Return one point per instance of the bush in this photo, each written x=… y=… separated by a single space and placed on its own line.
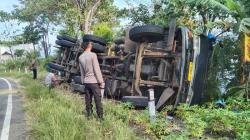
x=218 y=122
x=104 y=30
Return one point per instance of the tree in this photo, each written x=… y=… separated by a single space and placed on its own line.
x=242 y=8
x=9 y=38
x=74 y=15
x=104 y=30
x=19 y=52
x=40 y=16
x=87 y=12
x=140 y=15
x=201 y=16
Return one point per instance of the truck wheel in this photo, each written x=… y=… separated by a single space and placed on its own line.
x=137 y=101
x=97 y=48
x=119 y=41
x=146 y=33
x=77 y=79
x=56 y=66
x=65 y=43
x=67 y=38
x=95 y=39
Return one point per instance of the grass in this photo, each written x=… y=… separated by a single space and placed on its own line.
x=19 y=75
x=57 y=115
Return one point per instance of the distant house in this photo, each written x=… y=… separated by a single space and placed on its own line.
x=5 y=53
x=5 y=56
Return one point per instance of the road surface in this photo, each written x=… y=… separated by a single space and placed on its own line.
x=12 y=122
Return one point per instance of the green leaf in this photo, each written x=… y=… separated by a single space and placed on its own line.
x=245 y=25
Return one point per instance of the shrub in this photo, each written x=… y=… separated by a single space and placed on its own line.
x=221 y=122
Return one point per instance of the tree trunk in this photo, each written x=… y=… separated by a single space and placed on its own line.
x=47 y=41
x=45 y=47
x=34 y=47
x=11 y=53
x=205 y=21
x=89 y=16
x=86 y=24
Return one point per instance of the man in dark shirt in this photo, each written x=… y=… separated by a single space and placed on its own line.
x=91 y=77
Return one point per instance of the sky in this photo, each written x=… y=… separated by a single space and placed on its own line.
x=120 y=3
x=7 y=6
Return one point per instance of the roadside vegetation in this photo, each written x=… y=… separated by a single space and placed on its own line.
x=59 y=115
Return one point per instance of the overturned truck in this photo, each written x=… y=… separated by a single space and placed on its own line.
x=170 y=60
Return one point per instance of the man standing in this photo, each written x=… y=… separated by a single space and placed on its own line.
x=91 y=77
x=34 y=68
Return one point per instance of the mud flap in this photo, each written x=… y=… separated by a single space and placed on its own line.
x=136 y=101
x=167 y=93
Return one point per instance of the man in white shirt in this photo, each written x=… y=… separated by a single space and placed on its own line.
x=50 y=80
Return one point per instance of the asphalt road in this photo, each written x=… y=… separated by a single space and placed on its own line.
x=12 y=121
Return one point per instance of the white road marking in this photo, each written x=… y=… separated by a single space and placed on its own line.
x=9 y=85
x=7 y=119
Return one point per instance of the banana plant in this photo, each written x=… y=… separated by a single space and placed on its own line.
x=245 y=25
x=241 y=12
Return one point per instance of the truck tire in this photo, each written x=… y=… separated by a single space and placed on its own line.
x=119 y=41
x=56 y=66
x=65 y=43
x=67 y=38
x=146 y=33
x=136 y=101
x=94 y=39
x=77 y=79
x=97 y=48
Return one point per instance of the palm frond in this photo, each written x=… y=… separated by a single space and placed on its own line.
x=213 y=4
x=218 y=5
x=245 y=25
x=235 y=6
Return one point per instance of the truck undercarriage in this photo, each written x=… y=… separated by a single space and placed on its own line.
x=170 y=60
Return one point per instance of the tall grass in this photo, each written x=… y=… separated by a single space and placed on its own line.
x=15 y=73
x=58 y=115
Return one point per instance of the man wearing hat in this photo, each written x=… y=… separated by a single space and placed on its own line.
x=91 y=77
